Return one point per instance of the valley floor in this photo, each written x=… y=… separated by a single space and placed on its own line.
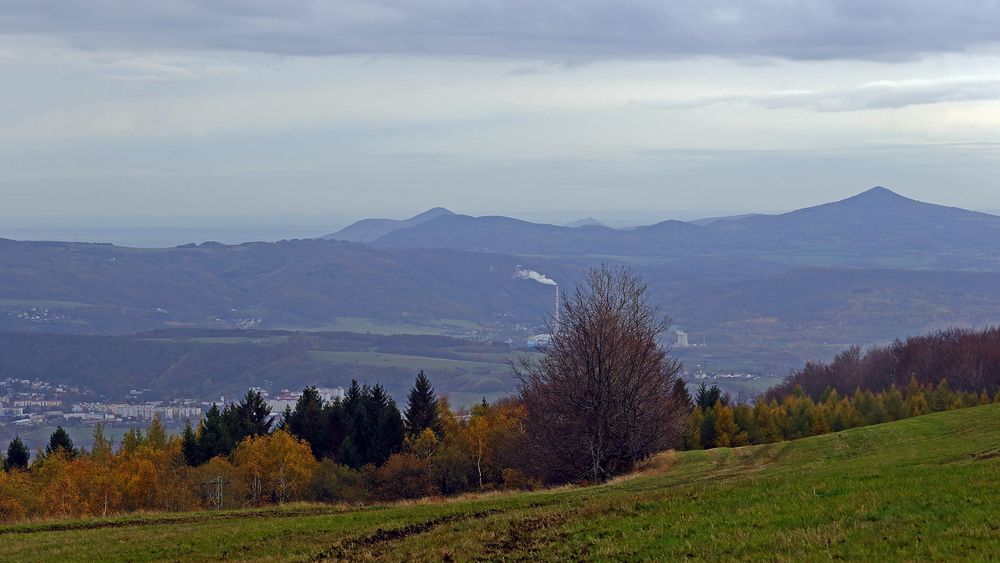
x=918 y=489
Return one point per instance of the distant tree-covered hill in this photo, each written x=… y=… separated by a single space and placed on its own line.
x=764 y=292
x=367 y=230
x=98 y=288
x=206 y=364
x=875 y=228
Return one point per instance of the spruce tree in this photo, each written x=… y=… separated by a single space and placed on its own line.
x=387 y=436
x=338 y=427
x=681 y=394
x=708 y=429
x=17 y=455
x=421 y=407
x=213 y=435
x=249 y=417
x=348 y=455
x=189 y=446
x=60 y=440
x=708 y=396
x=309 y=421
x=354 y=450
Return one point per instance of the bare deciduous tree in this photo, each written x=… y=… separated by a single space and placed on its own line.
x=600 y=398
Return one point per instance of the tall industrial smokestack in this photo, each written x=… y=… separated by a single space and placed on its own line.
x=558 y=307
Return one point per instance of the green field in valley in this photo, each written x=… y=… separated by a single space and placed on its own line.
x=436 y=327
x=925 y=488
x=493 y=363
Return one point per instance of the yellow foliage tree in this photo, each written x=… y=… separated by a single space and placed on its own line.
x=229 y=493
x=487 y=429
x=59 y=495
x=725 y=426
x=11 y=488
x=275 y=467
x=423 y=445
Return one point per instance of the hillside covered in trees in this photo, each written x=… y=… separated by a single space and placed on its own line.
x=600 y=401
x=918 y=489
x=969 y=360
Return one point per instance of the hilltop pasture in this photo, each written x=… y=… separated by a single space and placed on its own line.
x=918 y=489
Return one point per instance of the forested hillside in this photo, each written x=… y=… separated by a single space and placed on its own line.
x=208 y=363
x=918 y=489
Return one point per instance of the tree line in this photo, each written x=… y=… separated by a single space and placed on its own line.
x=968 y=359
x=603 y=396
x=715 y=421
x=358 y=449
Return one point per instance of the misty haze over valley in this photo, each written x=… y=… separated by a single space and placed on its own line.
x=756 y=294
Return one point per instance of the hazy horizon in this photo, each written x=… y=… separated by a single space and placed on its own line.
x=156 y=231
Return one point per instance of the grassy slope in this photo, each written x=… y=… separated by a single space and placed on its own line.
x=924 y=488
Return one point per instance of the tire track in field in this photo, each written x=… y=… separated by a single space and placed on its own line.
x=374 y=542
x=165 y=521
x=523 y=538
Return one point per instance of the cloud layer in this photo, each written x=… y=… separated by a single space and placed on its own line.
x=567 y=30
x=882 y=94
x=585 y=107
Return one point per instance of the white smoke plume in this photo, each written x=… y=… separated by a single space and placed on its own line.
x=525 y=274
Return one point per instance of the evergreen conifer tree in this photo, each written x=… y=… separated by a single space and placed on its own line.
x=189 y=446
x=421 y=407
x=213 y=435
x=708 y=429
x=682 y=395
x=17 y=455
x=707 y=397
x=387 y=436
x=310 y=421
x=249 y=417
x=60 y=440
x=354 y=451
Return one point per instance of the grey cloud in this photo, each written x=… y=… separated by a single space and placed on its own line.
x=888 y=95
x=589 y=29
x=872 y=95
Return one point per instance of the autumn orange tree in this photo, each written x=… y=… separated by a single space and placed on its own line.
x=275 y=467
x=491 y=429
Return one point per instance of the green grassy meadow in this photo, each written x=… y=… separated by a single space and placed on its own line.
x=434 y=327
x=926 y=488
x=382 y=359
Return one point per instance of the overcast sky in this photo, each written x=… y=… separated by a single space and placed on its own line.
x=385 y=108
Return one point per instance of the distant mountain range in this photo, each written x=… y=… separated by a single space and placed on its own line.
x=762 y=290
x=368 y=230
x=586 y=222
x=875 y=228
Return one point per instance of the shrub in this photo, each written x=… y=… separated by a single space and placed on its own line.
x=402 y=476
x=333 y=482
